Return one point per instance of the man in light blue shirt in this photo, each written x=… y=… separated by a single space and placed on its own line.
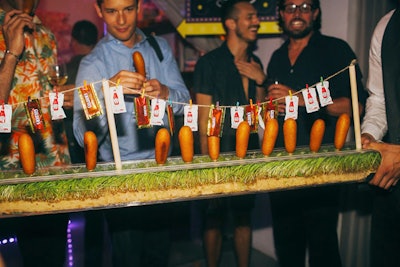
x=139 y=235
x=112 y=59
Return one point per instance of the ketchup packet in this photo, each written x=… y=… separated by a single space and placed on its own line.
x=157 y=111
x=118 y=101
x=56 y=103
x=34 y=114
x=142 y=110
x=292 y=107
x=90 y=101
x=324 y=94
x=191 y=113
x=252 y=116
x=171 y=120
x=237 y=114
x=310 y=99
x=215 y=121
x=5 y=118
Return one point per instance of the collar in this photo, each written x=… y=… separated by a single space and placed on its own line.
x=224 y=45
x=110 y=38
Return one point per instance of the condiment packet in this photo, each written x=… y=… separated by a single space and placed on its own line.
x=252 y=116
x=118 y=102
x=171 y=119
x=157 y=111
x=215 y=121
x=56 y=103
x=90 y=101
x=142 y=111
x=324 y=93
x=34 y=114
x=5 y=118
x=237 y=114
x=190 y=114
x=310 y=99
x=292 y=107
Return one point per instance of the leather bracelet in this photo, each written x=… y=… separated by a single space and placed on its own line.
x=11 y=53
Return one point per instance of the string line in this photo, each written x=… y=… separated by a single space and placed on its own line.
x=353 y=62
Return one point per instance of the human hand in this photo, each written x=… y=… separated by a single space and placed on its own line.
x=13 y=29
x=251 y=70
x=366 y=139
x=132 y=82
x=156 y=89
x=388 y=172
x=278 y=92
x=68 y=94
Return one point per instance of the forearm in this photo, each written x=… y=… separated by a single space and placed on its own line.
x=7 y=69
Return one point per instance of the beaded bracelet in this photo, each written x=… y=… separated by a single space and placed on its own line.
x=11 y=53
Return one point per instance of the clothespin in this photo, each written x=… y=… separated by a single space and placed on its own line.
x=142 y=94
x=322 y=81
x=117 y=83
x=217 y=105
x=190 y=103
x=84 y=83
x=251 y=103
x=290 y=94
x=270 y=105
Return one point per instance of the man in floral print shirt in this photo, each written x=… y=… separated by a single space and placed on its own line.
x=26 y=50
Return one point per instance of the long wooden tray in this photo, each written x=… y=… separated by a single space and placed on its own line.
x=72 y=188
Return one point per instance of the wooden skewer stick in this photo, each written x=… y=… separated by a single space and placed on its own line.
x=111 y=126
x=354 y=101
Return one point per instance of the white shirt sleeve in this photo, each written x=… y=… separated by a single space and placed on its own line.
x=375 y=122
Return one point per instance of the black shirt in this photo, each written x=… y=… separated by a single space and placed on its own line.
x=216 y=75
x=322 y=57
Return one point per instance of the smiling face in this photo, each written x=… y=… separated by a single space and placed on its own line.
x=298 y=18
x=244 y=22
x=120 y=17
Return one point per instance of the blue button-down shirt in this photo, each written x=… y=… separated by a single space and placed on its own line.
x=108 y=58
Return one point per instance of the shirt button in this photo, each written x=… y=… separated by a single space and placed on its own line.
x=291 y=71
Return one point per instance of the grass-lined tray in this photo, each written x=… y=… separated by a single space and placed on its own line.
x=72 y=188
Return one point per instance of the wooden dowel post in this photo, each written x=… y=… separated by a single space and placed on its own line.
x=111 y=126
x=354 y=101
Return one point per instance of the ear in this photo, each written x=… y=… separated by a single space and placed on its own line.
x=315 y=14
x=230 y=24
x=98 y=10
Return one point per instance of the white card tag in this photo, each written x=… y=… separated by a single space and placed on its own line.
x=292 y=107
x=310 y=99
x=116 y=95
x=157 y=111
x=5 y=118
x=324 y=94
x=236 y=116
x=56 y=103
x=191 y=113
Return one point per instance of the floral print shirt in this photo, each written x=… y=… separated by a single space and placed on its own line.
x=30 y=81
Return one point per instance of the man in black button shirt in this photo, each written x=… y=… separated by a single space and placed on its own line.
x=306 y=219
x=230 y=74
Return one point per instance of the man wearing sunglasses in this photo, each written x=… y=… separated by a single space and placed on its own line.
x=305 y=220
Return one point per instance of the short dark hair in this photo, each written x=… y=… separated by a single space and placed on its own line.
x=228 y=9
x=315 y=5
x=85 y=32
x=99 y=2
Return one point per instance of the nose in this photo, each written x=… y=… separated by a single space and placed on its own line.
x=121 y=18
